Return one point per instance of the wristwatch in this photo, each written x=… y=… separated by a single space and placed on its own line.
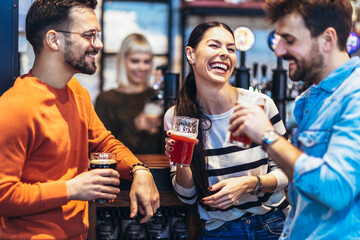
x=268 y=138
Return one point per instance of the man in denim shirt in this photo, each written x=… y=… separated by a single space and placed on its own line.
x=324 y=164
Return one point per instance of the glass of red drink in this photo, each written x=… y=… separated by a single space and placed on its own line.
x=184 y=132
x=243 y=140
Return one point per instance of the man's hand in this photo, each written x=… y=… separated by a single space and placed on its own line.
x=97 y=183
x=144 y=195
x=251 y=120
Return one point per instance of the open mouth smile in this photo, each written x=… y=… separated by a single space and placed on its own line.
x=219 y=66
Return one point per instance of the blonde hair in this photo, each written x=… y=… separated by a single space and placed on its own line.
x=133 y=43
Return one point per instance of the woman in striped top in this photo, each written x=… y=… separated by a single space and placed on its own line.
x=222 y=177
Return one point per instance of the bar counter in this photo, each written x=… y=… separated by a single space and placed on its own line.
x=160 y=169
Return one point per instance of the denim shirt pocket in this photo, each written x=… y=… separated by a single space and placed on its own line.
x=313 y=138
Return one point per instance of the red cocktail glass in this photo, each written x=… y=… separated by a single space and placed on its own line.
x=184 y=132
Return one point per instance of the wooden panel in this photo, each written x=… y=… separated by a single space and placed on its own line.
x=167 y=198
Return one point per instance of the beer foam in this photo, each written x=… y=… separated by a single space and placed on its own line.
x=102 y=161
x=184 y=134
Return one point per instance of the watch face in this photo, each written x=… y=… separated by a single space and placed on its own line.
x=270 y=137
x=273 y=136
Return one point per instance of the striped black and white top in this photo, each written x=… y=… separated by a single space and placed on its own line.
x=228 y=161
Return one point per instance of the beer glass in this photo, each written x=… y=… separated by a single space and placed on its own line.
x=153 y=110
x=184 y=131
x=243 y=140
x=102 y=160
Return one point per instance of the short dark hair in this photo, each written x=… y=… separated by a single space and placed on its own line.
x=318 y=15
x=44 y=15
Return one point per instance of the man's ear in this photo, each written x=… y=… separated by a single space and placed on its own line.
x=189 y=51
x=52 y=40
x=329 y=39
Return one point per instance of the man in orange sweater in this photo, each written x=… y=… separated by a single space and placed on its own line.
x=48 y=127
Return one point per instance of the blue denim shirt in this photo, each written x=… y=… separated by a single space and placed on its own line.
x=325 y=191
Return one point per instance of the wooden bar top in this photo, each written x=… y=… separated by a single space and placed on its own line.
x=154 y=160
x=160 y=168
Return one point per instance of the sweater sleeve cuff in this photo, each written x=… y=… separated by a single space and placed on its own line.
x=55 y=193
x=187 y=192
x=281 y=178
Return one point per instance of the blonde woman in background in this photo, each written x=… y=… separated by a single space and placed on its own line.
x=121 y=109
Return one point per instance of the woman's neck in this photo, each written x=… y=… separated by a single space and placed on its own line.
x=214 y=101
x=133 y=89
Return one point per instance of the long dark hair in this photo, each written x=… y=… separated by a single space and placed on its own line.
x=186 y=105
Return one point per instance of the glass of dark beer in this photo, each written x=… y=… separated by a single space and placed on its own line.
x=102 y=160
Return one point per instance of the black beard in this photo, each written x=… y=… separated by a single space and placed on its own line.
x=78 y=62
x=310 y=70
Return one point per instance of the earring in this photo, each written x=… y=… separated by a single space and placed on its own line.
x=192 y=62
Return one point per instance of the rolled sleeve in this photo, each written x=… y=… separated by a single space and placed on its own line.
x=187 y=195
x=305 y=164
x=315 y=179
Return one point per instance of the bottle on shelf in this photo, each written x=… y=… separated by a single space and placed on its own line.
x=106 y=225
x=131 y=229
x=158 y=227
x=266 y=84
x=254 y=81
x=179 y=225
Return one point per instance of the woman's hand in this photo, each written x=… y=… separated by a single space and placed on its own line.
x=146 y=122
x=169 y=144
x=184 y=175
x=229 y=191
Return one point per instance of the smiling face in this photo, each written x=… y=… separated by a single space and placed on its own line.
x=214 y=58
x=79 y=53
x=138 y=67
x=306 y=62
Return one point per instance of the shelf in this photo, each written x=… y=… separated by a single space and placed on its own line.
x=115 y=54
x=154 y=1
x=223 y=8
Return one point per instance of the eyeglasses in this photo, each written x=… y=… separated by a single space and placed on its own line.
x=90 y=35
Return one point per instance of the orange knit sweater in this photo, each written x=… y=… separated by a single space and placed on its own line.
x=46 y=135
